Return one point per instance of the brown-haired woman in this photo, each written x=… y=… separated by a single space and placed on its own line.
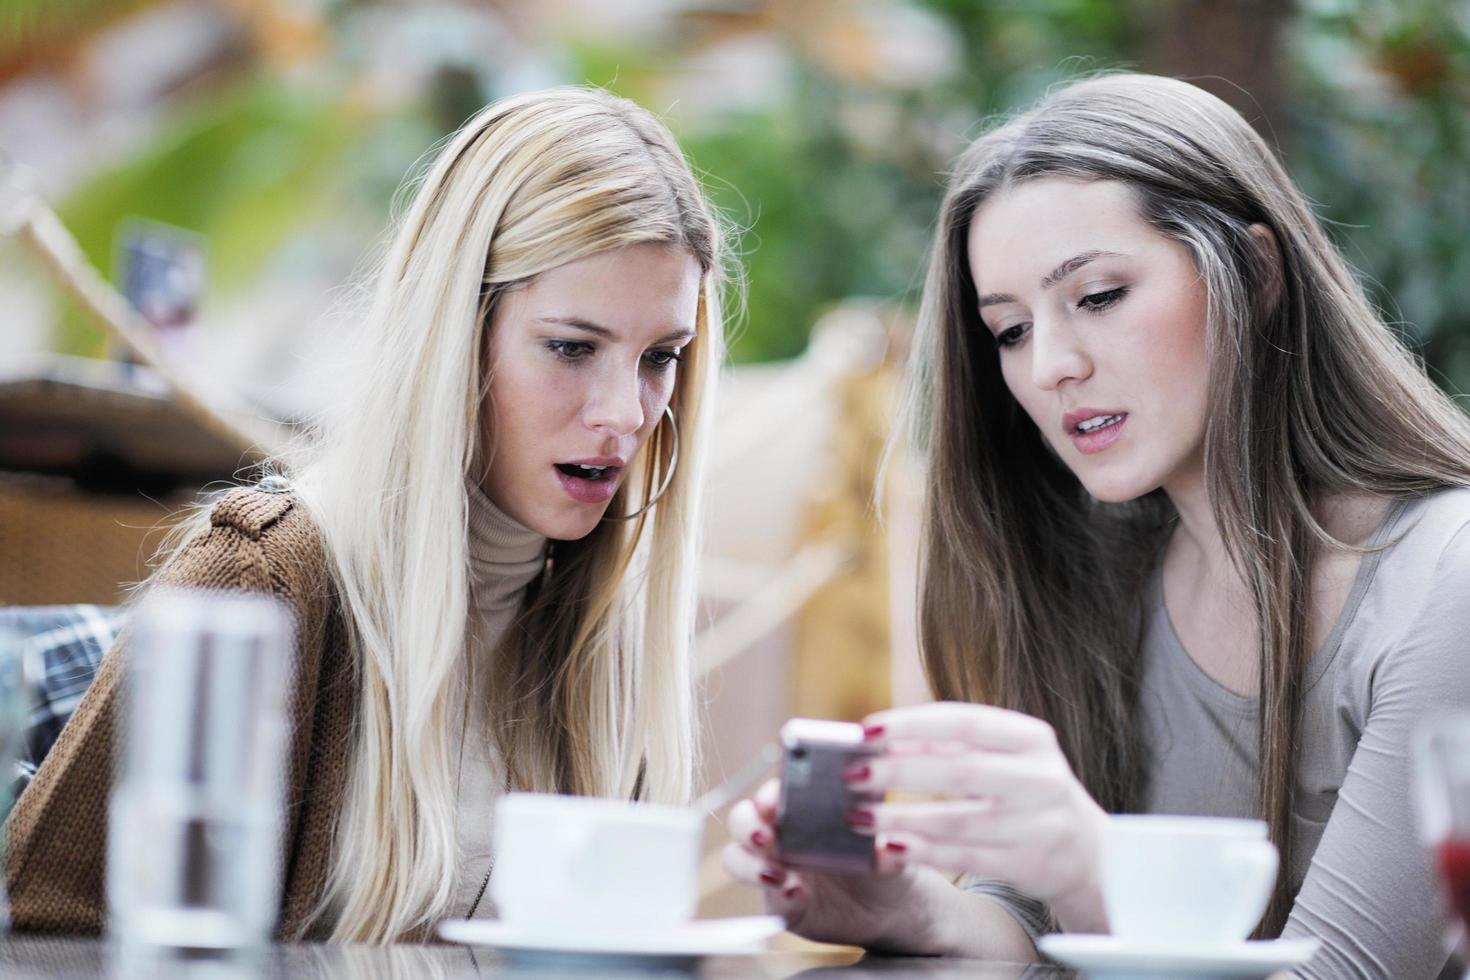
x=1194 y=543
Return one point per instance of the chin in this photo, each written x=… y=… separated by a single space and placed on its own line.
x=569 y=527
x=1116 y=490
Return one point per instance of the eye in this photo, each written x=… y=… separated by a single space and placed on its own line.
x=1097 y=302
x=1011 y=336
x=569 y=350
x=663 y=358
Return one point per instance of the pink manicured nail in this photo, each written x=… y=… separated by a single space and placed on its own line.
x=895 y=846
x=772 y=878
x=857 y=773
x=759 y=838
x=858 y=817
x=791 y=892
x=871 y=732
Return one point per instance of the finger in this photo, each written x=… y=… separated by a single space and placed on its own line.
x=979 y=725
x=1014 y=779
x=749 y=868
x=748 y=830
x=967 y=822
x=766 y=798
x=909 y=848
x=888 y=860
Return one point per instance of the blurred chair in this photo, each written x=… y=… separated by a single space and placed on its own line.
x=95 y=457
x=63 y=647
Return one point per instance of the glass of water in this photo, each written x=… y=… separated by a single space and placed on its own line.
x=194 y=836
x=14 y=712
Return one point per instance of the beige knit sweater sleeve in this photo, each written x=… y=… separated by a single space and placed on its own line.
x=57 y=833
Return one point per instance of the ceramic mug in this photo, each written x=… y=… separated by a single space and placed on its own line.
x=1192 y=883
x=578 y=861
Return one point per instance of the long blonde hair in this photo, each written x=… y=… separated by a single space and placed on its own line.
x=1030 y=591
x=592 y=690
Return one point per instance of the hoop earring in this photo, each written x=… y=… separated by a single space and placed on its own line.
x=668 y=475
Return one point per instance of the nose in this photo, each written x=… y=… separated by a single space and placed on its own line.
x=615 y=405
x=1057 y=355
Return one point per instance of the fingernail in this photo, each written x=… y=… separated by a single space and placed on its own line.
x=895 y=846
x=773 y=878
x=857 y=773
x=792 y=892
x=871 y=732
x=759 y=838
x=859 y=817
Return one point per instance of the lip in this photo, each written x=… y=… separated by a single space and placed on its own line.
x=591 y=491
x=617 y=461
x=1099 y=439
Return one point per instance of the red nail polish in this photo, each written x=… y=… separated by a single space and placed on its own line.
x=871 y=732
x=857 y=773
x=759 y=838
x=772 y=878
x=895 y=846
x=860 y=818
x=792 y=892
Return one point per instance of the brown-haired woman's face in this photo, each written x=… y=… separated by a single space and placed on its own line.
x=582 y=363
x=1099 y=322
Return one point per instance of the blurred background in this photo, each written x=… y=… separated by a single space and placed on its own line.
x=231 y=165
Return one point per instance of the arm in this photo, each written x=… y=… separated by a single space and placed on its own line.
x=57 y=833
x=1370 y=893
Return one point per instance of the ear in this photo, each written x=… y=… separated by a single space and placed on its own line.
x=1271 y=264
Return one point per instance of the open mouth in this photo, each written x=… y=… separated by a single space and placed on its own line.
x=1097 y=423
x=593 y=474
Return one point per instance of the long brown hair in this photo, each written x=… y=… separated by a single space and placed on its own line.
x=1030 y=592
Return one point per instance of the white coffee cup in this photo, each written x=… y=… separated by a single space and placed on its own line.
x=565 y=861
x=1186 y=882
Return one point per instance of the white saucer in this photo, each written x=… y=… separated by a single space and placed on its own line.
x=689 y=940
x=1109 y=956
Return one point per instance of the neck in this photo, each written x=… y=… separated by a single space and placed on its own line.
x=1198 y=540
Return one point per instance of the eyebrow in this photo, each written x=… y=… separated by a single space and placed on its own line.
x=1052 y=278
x=578 y=323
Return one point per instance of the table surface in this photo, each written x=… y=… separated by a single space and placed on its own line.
x=51 y=957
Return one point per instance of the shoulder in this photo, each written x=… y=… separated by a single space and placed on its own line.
x=1430 y=532
x=1416 y=613
x=270 y=514
x=258 y=538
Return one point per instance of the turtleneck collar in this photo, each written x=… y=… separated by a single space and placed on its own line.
x=504 y=556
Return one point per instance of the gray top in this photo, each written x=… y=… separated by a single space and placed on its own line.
x=1365 y=881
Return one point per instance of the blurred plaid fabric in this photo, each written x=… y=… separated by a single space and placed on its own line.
x=63 y=647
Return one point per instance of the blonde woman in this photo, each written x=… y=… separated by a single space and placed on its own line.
x=488 y=541
x=1196 y=542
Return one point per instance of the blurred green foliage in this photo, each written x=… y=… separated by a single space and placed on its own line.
x=244 y=171
x=833 y=182
x=1381 y=143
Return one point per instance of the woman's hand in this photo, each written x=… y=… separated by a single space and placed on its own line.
x=885 y=910
x=1014 y=809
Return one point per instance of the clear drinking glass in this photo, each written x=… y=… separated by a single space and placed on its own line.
x=1442 y=785
x=14 y=709
x=195 y=819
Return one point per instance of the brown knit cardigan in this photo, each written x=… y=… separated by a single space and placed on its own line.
x=57 y=833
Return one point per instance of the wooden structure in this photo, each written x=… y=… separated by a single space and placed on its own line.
x=96 y=455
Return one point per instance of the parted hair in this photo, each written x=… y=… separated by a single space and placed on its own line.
x=1031 y=590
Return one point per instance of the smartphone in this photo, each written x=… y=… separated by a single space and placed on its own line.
x=811 y=815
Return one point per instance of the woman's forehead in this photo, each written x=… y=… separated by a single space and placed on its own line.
x=1032 y=228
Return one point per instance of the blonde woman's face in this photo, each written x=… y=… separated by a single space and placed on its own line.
x=1100 y=325
x=582 y=363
